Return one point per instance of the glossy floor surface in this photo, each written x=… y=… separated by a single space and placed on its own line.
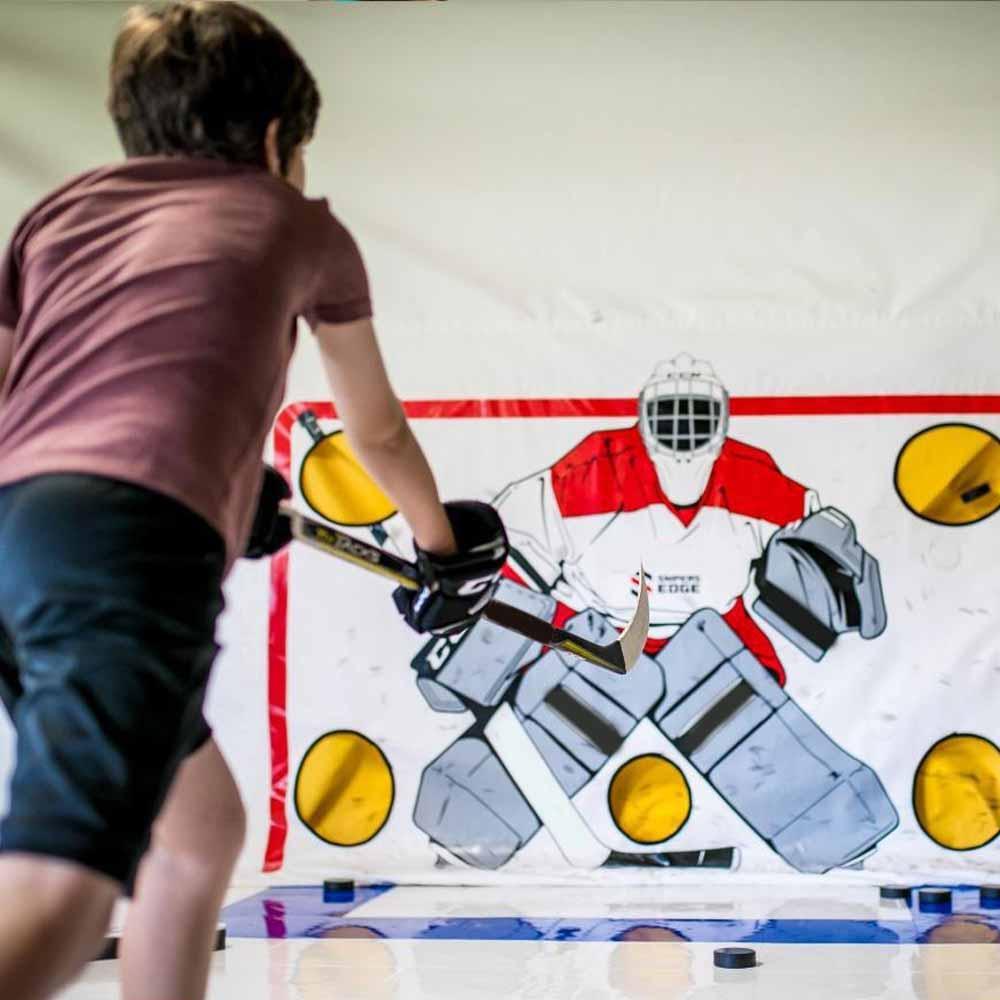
x=462 y=944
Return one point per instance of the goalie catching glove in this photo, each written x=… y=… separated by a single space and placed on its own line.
x=270 y=532
x=817 y=582
x=455 y=589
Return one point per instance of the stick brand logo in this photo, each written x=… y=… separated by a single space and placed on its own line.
x=347 y=544
x=356 y=548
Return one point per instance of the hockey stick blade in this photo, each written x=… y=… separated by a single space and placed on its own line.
x=618 y=656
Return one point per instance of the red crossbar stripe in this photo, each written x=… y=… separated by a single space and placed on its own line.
x=740 y=406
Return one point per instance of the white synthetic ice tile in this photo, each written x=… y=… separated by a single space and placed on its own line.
x=649 y=963
x=352 y=969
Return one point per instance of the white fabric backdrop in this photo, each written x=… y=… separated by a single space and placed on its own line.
x=553 y=197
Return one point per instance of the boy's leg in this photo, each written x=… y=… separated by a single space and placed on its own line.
x=54 y=919
x=109 y=595
x=62 y=909
x=170 y=927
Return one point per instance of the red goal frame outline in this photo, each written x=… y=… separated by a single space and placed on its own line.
x=464 y=409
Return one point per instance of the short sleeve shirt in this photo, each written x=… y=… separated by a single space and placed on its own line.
x=153 y=307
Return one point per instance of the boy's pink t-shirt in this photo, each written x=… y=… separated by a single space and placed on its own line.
x=153 y=307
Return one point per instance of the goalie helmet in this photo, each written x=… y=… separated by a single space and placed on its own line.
x=683 y=420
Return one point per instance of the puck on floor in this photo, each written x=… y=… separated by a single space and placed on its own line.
x=935 y=900
x=894 y=892
x=337 y=887
x=989 y=896
x=735 y=958
x=109 y=949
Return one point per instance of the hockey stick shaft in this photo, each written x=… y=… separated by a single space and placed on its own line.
x=353 y=550
x=618 y=656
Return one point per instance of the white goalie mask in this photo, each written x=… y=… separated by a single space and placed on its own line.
x=683 y=419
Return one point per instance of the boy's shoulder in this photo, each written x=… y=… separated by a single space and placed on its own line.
x=188 y=184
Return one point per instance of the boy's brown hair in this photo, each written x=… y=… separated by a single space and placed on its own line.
x=204 y=78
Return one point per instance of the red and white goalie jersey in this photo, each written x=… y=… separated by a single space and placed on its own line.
x=675 y=493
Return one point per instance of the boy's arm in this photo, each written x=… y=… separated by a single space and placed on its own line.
x=10 y=306
x=378 y=431
x=6 y=350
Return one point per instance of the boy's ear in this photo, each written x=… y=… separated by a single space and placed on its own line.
x=271 y=148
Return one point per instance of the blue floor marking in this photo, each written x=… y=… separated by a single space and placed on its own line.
x=303 y=912
x=306 y=908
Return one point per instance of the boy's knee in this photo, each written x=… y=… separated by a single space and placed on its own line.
x=90 y=909
x=218 y=842
x=233 y=827
x=229 y=817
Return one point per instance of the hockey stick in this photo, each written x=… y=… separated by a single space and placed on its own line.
x=618 y=656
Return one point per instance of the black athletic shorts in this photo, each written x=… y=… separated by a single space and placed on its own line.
x=109 y=594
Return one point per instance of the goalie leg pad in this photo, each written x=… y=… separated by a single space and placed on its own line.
x=811 y=801
x=481 y=664
x=468 y=803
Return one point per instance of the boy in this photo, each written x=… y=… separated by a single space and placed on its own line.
x=147 y=318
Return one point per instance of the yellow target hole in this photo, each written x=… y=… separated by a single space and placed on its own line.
x=950 y=474
x=956 y=792
x=649 y=799
x=336 y=486
x=344 y=789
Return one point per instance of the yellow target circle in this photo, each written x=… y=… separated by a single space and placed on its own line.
x=337 y=487
x=649 y=799
x=956 y=792
x=950 y=474
x=344 y=789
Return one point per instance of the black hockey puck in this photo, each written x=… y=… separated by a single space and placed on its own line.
x=335 y=889
x=989 y=896
x=338 y=885
x=109 y=949
x=935 y=900
x=894 y=892
x=735 y=958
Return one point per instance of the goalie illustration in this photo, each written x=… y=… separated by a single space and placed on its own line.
x=713 y=520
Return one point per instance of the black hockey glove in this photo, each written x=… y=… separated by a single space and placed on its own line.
x=271 y=532
x=457 y=587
